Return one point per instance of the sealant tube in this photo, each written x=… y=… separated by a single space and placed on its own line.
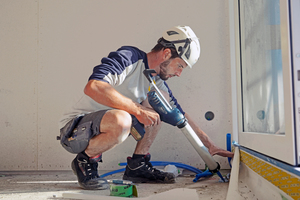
x=200 y=148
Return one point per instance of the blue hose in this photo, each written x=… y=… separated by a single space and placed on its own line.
x=198 y=172
x=157 y=163
x=179 y=165
x=112 y=172
x=205 y=173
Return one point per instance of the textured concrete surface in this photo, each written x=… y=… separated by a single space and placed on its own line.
x=52 y=184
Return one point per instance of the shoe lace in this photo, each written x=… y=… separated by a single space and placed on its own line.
x=92 y=170
x=150 y=167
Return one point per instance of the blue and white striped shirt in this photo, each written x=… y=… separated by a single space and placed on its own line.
x=123 y=69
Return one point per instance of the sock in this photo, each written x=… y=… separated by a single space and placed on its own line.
x=94 y=159
x=97 y=158
x=135 y=156
x=85 y=154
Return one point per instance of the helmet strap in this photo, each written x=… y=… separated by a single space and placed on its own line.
x=186 y=45
x=165 y=43
x=170 y=44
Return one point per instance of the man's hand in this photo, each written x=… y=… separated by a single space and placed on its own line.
x=148 y=114
x=148 y=117
x=213 y=150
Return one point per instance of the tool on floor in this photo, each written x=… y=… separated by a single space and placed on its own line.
x=174 y=117
x=122 y=188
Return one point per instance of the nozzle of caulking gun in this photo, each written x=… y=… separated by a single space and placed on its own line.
x=218 y=172
x=117 y=181
x=220 y=175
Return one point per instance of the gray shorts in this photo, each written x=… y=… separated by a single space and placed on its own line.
x=76 y=134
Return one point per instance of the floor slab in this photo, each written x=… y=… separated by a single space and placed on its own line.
x=53 y=184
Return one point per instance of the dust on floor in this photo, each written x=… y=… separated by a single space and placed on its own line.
x=52 y=184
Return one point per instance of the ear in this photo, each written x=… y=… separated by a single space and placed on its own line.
x=167 y=54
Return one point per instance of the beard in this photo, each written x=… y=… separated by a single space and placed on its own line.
x=163 y=70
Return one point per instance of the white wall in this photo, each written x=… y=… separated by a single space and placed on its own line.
x=47 y=52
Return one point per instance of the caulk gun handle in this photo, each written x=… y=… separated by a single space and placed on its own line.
x=137 y=129
x=147 y=73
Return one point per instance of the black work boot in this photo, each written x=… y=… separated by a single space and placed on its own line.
x=85 y=169
x=140 y=170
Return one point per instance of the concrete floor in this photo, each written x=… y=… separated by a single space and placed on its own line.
x=53 y=184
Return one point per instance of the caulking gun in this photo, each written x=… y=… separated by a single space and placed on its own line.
x=174 y=117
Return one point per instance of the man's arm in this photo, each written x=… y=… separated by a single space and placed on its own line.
x=212 y=148
x=103 y=93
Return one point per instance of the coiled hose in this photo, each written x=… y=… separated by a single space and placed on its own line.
x=157 y=163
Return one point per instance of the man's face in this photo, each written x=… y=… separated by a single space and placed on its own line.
x=171 y=67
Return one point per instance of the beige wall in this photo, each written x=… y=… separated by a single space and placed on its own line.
x=48 y=49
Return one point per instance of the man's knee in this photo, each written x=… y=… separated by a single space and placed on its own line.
x=118 y=122
x=117 y=119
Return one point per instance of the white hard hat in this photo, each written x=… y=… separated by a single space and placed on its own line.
x=184 y=40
